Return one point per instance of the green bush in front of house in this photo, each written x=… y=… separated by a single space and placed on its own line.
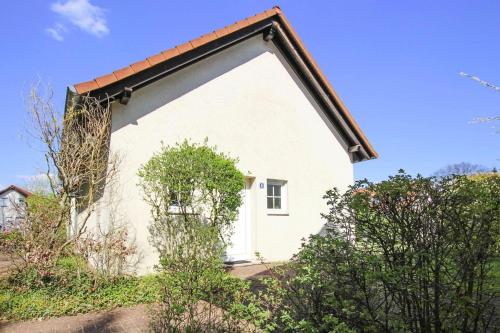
x=194 y=195
x=409 y=254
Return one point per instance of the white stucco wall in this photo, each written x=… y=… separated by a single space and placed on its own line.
x=248 y=103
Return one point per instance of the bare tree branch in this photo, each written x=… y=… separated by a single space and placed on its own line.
x=481 y=82
x=78 y=167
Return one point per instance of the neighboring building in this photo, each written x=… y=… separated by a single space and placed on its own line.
x=12 y=204
x=256 y=93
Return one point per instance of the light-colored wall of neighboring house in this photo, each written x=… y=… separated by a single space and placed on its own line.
x=249 y=103
x=11 y=208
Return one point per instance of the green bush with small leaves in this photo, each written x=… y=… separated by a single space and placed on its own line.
x=408 y=254
x=194 y=193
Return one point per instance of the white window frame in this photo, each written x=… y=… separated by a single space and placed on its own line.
x=175 y=209
x=284 y=197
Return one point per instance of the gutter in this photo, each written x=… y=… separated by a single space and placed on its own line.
x=273 y=30
x=177 y=63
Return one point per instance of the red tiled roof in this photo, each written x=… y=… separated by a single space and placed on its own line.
x=102 y=81
x=120 y=74
x=17 y=189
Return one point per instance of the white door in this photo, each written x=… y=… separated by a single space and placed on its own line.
x=239 y=247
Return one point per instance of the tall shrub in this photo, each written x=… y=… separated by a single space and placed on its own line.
x=194 y=195
x=409 y=254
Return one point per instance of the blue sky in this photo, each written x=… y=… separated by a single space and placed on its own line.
x=395 y=64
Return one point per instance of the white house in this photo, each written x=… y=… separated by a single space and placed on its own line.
x=12 y=204
x=256 y=93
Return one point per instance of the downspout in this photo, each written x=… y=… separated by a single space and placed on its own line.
x=73 y=216
x=72 y=98
x=2 y=215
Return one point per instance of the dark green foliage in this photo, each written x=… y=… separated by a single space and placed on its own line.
x=404 y=255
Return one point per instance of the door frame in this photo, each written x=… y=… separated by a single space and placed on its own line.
x=247 y=254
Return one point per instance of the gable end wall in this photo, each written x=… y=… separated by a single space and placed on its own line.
x=249 y=103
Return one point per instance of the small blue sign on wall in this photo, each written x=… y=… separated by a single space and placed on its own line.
x=261 y=185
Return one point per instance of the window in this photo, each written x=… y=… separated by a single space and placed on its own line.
x=277 y=196
x=179 y=203
x=175 y=200
x=4 y=201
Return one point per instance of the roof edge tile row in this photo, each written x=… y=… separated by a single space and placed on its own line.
x=105 y=80
x=143 y=65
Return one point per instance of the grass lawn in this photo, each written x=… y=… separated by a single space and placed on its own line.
x=79 y=295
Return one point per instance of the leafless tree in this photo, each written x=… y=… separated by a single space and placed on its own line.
x=79 y=164
x=488 y=85
x=481 y=82
x=38 y=183
x=461 y=169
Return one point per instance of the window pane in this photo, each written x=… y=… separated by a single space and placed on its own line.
x=270 y=203
x=174 y=200
x=269 y=190
x=277 y=203
x=277 y=190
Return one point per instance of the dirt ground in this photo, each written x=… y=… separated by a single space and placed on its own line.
x=122 y=320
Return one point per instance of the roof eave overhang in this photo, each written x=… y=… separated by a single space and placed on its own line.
x=274 y=29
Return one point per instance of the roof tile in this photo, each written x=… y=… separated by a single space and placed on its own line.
x=203 y=39
x=84 y=87
x=17 y=189
x=170 y=53
x=260 y=16
x=156 y=59
x=250 y=20
x=105 y=80
x=140 y=66
x=123 y=73
x=221 y=32
x=184 y=47
x=235 y=26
